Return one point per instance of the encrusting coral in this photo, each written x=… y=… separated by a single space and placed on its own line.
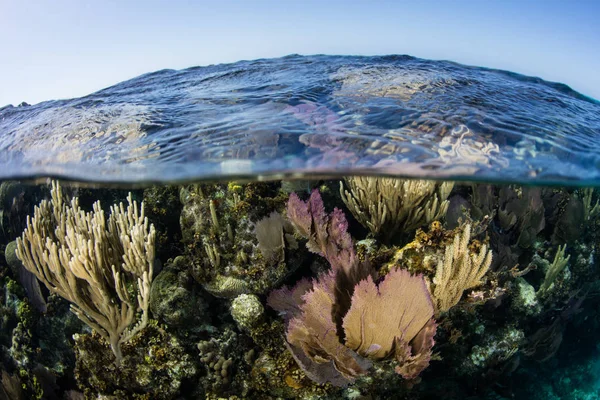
x=387 y=205
x=93 y=262
x=247 y=311
x=156 y=365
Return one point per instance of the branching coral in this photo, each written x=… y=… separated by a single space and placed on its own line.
x=386 y=205
x=451 y=260
x=557 y=266
x=459 y=270
x=93 y=262
x=590 y=211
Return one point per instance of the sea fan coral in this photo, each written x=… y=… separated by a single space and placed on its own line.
x=334 y=336
x=389 y=320
x=270 y=235
x=327 y=234
x=392 y=319
x=314 y=331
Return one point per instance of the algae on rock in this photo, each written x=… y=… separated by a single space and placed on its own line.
x=235 y=239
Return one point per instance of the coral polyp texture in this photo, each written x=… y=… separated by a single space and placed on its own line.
x=387 y=288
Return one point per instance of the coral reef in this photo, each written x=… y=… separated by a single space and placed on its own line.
x=163 y=208
x=497 y=348
x=235 y=239
x=525 y=300
x=387 y=288
x=451 y=260
x=247 y=311
x=154 y=365
x=177 y=302
x=216 y=356
x=36 y=350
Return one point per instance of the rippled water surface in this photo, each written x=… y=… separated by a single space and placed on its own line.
x=316 y=115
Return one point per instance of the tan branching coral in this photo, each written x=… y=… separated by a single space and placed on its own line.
x=557 y=266
x=459 y=269
x=386 y=205
x=93 y=262
x=590 y=211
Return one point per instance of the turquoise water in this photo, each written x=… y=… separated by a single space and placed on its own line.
x=305 y=227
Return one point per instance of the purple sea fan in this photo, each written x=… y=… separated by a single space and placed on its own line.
x=389 y=320
x=312 y=334
x=336 y=323
x=288 y=301
x=327 y=234
x=314 y=331
x=392 y=319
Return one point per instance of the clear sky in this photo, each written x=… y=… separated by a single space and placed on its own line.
x=52 y=49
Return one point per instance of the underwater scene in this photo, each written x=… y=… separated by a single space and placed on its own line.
x=308 y=227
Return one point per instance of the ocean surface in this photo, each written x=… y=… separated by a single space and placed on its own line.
x=311 y=116
x=307 y=227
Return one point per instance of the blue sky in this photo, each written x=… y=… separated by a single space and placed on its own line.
x=69 y=48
